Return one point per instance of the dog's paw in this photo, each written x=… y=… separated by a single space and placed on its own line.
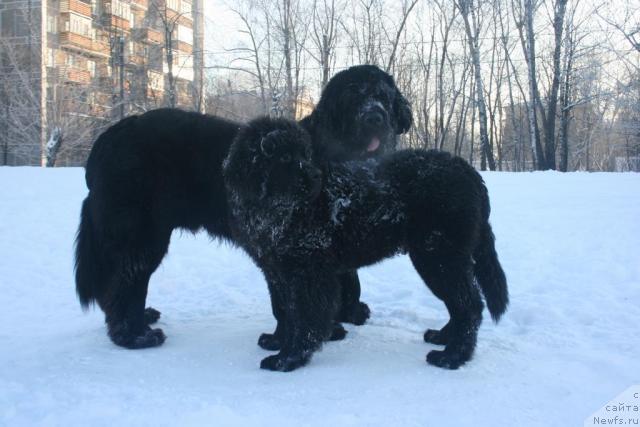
x=283 y=363
x=146 y=339
x=437 y=337
x=445 y=359
x=151 y=316
x=269 y=342
x=151 y=338
x=356 y=314
x=338 y=333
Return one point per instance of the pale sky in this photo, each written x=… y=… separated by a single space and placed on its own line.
x=221 y=29
x=222 y=25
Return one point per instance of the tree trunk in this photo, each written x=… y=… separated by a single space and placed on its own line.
x=463 y=5
x=168 y=43
x=290 y=102
x=550 y=125
x=565 y=97
x=530 y=52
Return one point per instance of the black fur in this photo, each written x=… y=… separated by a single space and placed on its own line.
x=150 y=174
x=304 y=225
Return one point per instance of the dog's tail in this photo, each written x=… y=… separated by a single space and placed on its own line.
x=487 y=269
x=88 y=265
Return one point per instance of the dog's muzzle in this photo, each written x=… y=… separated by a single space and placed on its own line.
x=374 y=120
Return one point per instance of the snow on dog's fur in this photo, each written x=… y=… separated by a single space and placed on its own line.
x=304 y=226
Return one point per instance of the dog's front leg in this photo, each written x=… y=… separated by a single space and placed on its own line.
x=310 y=303
x=273 y=342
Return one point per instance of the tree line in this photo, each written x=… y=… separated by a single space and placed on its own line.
x=508 y=84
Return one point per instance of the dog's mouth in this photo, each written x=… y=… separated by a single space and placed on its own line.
x=374 y=145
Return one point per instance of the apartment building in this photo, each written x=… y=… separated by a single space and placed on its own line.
x=72 y=67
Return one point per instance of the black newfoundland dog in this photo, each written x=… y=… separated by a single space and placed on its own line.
x=304 y=226
x=150 y=174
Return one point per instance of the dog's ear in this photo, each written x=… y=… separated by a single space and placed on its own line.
x=268 y=143
x=404 y=115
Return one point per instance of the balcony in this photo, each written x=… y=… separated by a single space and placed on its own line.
x=101 y=49
x=83 y=44
x=137 y=60
x=73 y=75
x=148 y=35
x=186 y=20
x=182 y=46
x=76 y=6
x=116 y=22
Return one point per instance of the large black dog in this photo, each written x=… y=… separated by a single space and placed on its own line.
x=150 y=174
x=304 y=225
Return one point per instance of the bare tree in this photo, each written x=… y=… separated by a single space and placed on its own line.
x=407 y=7
x=364 y=29
x=468 y=10
x=21 y=106
x=552 y=101
x=325 y=26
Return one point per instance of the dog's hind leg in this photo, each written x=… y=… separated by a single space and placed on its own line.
x=449 y=275
x=124 y=301
x=353 y=310
x=151 y=315
x=438 y=336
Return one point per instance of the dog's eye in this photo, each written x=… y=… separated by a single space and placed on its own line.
x=286 y=158
x=354 y=87
x=383 y=95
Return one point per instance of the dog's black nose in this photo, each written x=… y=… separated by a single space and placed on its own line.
x=373 y=118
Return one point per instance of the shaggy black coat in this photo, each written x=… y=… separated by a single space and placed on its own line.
x=304 y=225
x=150 y=174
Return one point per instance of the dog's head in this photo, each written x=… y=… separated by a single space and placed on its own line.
x=362 y=110
x=272 y=158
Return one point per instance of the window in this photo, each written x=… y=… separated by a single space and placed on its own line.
x=52 y=24
x=95 y=7
x=121 y=9
x=185 y=34
x=173 y=4
x=71 y=60
x=156 y=80
x=91 y=66
x=79 y=25
x=185 y=8
x=51 y=57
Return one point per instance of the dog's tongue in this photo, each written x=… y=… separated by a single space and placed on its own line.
x=374 y=144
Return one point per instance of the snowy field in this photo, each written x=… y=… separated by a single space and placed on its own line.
x=570 y=342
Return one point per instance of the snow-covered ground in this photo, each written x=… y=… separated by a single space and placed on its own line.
x=570 y=342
